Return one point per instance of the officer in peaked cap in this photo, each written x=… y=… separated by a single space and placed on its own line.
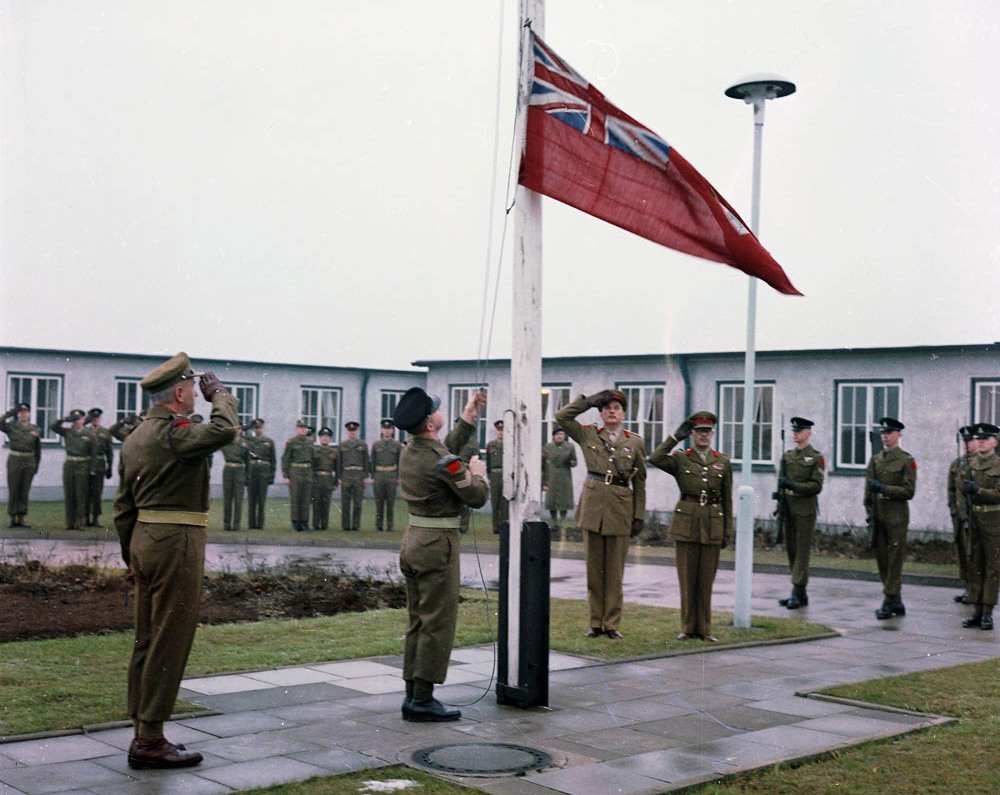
x=436 y=485
x=983 y=490
x=494 y=466
x=385 y=475
x=76 y=466
x=263 y=467
x=890 y=483
x=324 y=478
x=958 y=505
x=800 y=480
x=297 y=470
x=25 y=455
x=161 y=514
x=100 y=465
x=352 y=469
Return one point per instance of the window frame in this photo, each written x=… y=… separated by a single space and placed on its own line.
x=549 y=415
x=662 y=422
x=383 y=393
x=858 y=470
x=142 y=399
x=758 y=464
x=455 y=410
x=974 y=408
x=47 y=437
x=339 y=391
x=255 y=412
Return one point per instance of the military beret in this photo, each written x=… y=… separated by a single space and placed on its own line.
x=498 y=425
x=95 y=412
x=967 y=432
x=23 y=407
x=76 y=414
x=557 y=429
x=386 y=424
x=986 y=430
x=324 y=431
x=175 y=369
x=801 y=424
x=197 y=418
x=613 y=395
x=890 y=424
x=351 y=425
x=703 y=419
x=300 y=423
x=413 y=408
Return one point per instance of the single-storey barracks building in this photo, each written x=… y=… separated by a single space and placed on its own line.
x=932 y=389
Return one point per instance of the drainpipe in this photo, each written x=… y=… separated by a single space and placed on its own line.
x=363 y=419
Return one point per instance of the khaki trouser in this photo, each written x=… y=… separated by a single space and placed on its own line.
x=605 y=572
x=497 y=502
x=696 y=567
x=76 y=475
x=20 y=473
x=300 y=492
x=352 y=492
x=798 y=545
x=323 y=487
x=962 y=546
x=234 y=480
x=168 y=562
x=95 y=492
x=429 y=560
x=984 y=576
x=385 y=499
x=890 y=551
x=257 y=483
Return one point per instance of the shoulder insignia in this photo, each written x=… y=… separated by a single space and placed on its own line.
x=451 y=464
x=913 y=464
x=629 y=434
x=822 y=462
x=180 y=422
x=689 y=452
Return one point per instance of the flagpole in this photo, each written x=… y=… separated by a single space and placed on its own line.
x=753 y=91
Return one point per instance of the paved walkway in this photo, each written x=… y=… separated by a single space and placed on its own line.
x=628 y=728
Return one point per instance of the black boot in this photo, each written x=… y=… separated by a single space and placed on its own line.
x=898 y=608
x=408 y=699
x=429 y=711
x=976 y=620
x=784 y=602
x=885 y=611
x=962 y=598
x=987 y=622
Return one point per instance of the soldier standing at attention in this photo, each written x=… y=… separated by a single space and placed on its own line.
x=297 y=470
x=161 y=514
x=436 y=485
x=703 y=517
x=22 y=462
x=984 y=490
x=956 y=506
x=263 y=463
x=890 y=483
x=324 y=478
x=612 y=505
x=352 y=466
x=236 y=460
x=799 y=486
x=100 y=465
x=494 y=466
x=385 y=474
x=76 y=467
x=558 y=460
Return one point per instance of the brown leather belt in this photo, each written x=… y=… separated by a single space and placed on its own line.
x=608 y=479
x=324 y=472
x=985 y=508
x=385 y=468
x=702 y=499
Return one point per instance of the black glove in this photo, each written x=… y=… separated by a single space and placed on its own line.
x=10 y=413
x=876 y=486
x=683 y=430
x=637 y=525
x=209 y=384
x=970 y=487
x=600 y=397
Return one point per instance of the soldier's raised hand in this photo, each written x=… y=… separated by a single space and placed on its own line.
x=477 y=466
x=683 y=430
x=209 y=384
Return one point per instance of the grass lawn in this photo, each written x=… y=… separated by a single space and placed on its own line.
x=358 y=782
x=69 y=682
x=962 y=757
x=47 y=521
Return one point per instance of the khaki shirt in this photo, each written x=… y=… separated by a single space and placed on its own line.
x=704 y=513
x=79 y=443
x=236 y=452
x=494 y=455
x=263 y=452
x=805 y=469
x=434 y=481
x=102 y=453
x=298 y=450
x=985 y=470
x=352 y=459
x=24 y=437
x=897 y=471
x=325 y=459
x=386 y=453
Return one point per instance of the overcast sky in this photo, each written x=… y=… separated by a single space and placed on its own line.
x=309 y=181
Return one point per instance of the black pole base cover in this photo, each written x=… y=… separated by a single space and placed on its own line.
x=532 y=688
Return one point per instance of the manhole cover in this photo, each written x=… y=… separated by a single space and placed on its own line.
x=482 y=759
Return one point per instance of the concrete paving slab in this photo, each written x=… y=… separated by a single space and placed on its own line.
x=853 y=726
x=672 y=765
x=596 y=780
x=642 y=710
x=795 y=740
x=795 y=705
x=374 y=685
x=218 y=685
x=274 y=697
x=237 y=723
x=755 y=691
x=704 y=698
x=39 y=779
x=175 y=732
x=339 y=760
x=52 y=750
x=565 y=662
x=178 y=783
x=7 y=790
x=460 y=675
x=292 y=676
x=317 y=711
x=472 y=654
x=692 y=728
x=6 y=761
x=255 y=746
x=622 y=741
x=891 y=717
x=512 y=786
x=750 y=719
x=119 y=763
x=354 y=669
x=263 y=773
x=738 y=752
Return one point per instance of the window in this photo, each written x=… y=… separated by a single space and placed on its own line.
x=986 y=397
x=730 y=433
x=44 y=394
x=553 y=398
x=128 y=399
x=321 y=407
x=246 y=402
x=644 y=411
x=459 y=397
x=859 y=406
x=390 y=397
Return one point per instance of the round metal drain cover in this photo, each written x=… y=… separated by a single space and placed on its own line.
x=482 y=759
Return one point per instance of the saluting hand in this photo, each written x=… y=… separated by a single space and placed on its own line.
x=209 y=384
x=683 y=430
x=477 y=466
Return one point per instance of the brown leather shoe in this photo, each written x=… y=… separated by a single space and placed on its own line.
x=160 y=753
x=614 y=634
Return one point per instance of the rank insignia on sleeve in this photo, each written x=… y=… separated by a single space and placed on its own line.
x=913 y=465
x=822 y=462
x=454 y=467
x=180 y=422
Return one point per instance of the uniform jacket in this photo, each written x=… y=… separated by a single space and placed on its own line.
x=607 y=508
x=804 y=468
x=236 y=452
x=102 y=452
x=298 y=450
x=352 y=459
x=434 y=481
x=79 y=444
x=325 y=460
x=558 y=461
x=263 y=452
x=897 y=470
x=704 y=513
x=385 y=453
x=122 y=429
x=494 y=455
x=986 y=502
x=24 y=437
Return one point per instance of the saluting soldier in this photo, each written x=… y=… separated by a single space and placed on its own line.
x=436 y=485
x=352 y=468
x=612 y=505
x=297 y=470
x=984 y=490
x=123 y=427
x=702 y=523
x=76 y=466
x=385 y=475
x=468 y=451
x=799 y=487
x=890 y=483
x=161 y=514
x=263 y=464
x=236 y=460
x=957 y=508
x=25 y=455
x=324 y=478
x=102 y=457
x=494 y=465
x=558 y=460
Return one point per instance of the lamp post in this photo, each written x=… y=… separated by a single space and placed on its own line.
x=754 y=90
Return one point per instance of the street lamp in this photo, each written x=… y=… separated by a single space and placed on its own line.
x=754 y=90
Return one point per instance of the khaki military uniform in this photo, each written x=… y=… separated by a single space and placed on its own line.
x=123 y=427
x=956 y=498
x=102 y=456
x=897 y=471
x=324 y=482
x=804 y=470
x=385 y=475
x=558 y=461
x=260 y=475
x=494 y=466
x=76 y=472
x=352 y=468
x=467 y=451
x=236 y=459
x=161 y=514
x=984 y=572
x=25 y=455
x=701 y=525
x=614 y=495
x=297 y=469
x=436 y=486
